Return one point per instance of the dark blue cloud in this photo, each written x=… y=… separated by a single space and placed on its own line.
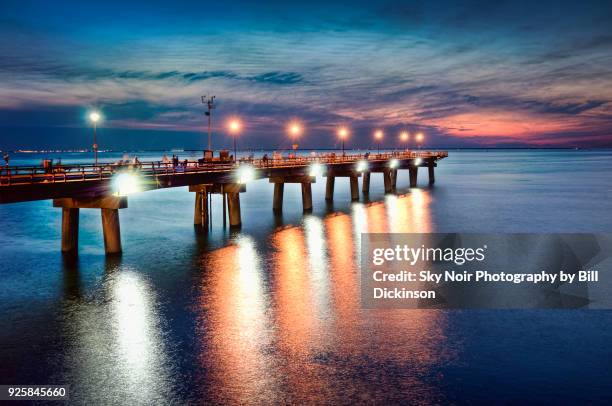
x=574 y=108
x=78 y=73
x=279 y=78
x=197 y=76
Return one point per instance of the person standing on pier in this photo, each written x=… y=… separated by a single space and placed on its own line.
x=136 y=163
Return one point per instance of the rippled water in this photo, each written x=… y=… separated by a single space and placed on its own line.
x=271 y=314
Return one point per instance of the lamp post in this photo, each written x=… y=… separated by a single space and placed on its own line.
x=404 y=138
x=342 y=134
x=379 y=136
x=419 y=139
x=294 y=129
x=234 y=128
x=94 y=117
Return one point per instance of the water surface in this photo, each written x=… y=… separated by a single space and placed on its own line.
x=271 y=313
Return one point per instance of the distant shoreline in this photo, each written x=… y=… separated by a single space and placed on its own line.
x=67 y=151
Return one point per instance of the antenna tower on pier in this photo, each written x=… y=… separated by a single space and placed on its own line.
x=209 y=101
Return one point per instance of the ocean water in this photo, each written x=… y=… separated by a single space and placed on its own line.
x=271 y=313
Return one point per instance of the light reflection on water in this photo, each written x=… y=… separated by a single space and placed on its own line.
x=116 y=340
x=285 y=322
x=234 y=305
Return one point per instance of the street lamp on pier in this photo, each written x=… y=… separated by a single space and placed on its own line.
x=234 y=128
x=294 y=129
x=419 y=139
x=343 y=134
x=94 y=117
x=404 y=137
x=379 y=136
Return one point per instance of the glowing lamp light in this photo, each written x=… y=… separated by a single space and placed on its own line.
x=362 y=166
x=234 y=126
x=316 y=169
x=124 y=184
x=94 y=117
x=419 y=137
x=378 y=135
x=295 y=129
x=343 y=132
x=394 y=163
x=245 y=174
x=418 y=162
x=404 y=136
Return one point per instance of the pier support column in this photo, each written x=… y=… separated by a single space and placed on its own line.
x=200 y=214
x=354 y=187
x=365 y=185
x=304 y=181
x=109 y=207
x=393 y=174
x=233 y=206
x=413 y=172
x=430 y=167
x=329 y=188
x=307 y=196
x=111 y=231
x=70 y=230
x=230 y=196
x=277 y=203
x=387 y=181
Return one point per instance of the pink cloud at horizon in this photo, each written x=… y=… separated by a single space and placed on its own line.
x=537 y=129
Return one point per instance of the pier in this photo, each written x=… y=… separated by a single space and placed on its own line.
x=106 y=186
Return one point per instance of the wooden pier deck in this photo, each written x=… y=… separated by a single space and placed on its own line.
x=73 y=187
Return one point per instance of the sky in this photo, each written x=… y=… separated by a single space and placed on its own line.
x=464 y=73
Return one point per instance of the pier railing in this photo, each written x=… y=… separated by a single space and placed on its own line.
x=12 y=175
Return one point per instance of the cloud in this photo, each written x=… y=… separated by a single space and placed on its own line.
x=278 y=78
x=575 y=108
x=474 y=72
x=70 y=72
x=198 y=76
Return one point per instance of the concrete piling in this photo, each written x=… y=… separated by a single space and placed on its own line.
x=413 y=172
x=329 y=188
x=109 y=207
x=430 y=167
x=233 y=207
x=70 y=230
x=200 y=215
x=277 y=203
x=365 y=185
x=305 y=182
x=354 y=187
x=307 y=196
x=387 y=181
x=111 y=231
